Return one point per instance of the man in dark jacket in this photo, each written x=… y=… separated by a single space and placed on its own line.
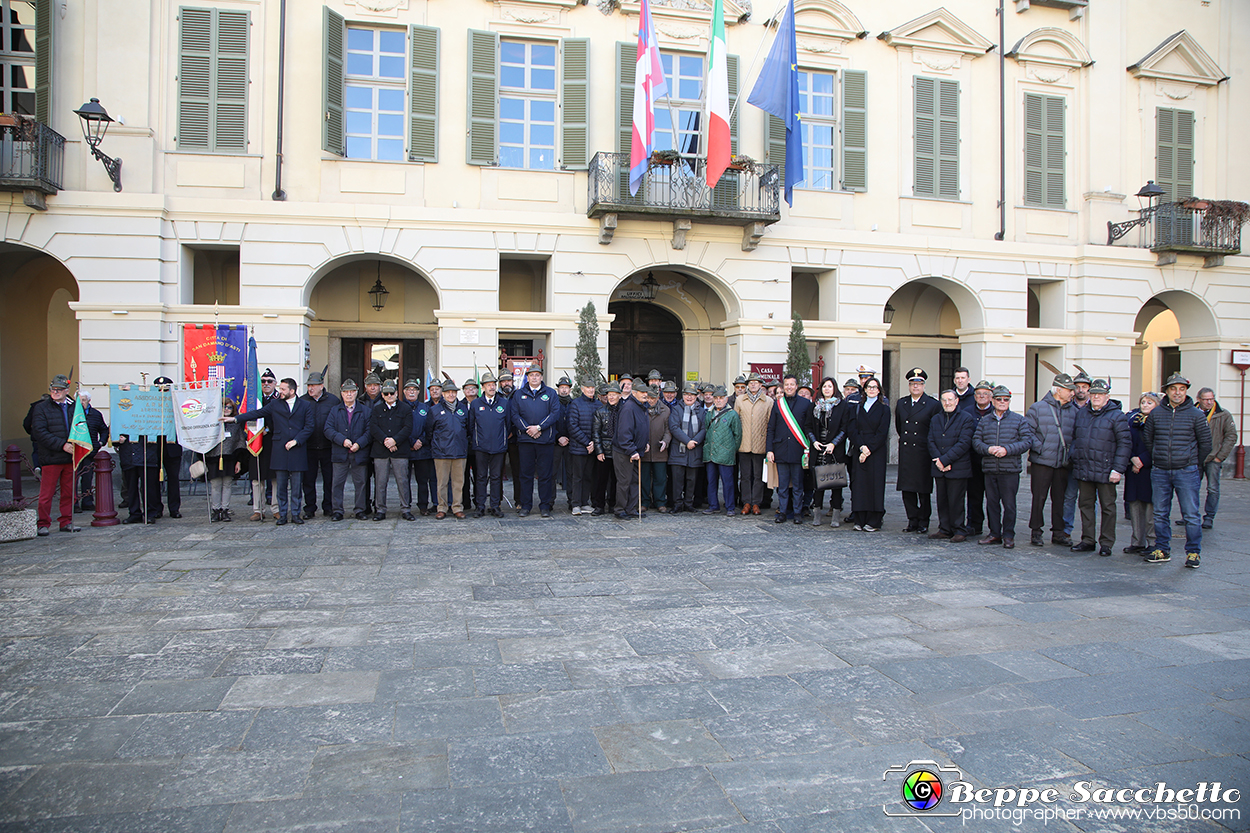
x=786 y=445
x=289 y=420
x=964 y=389
x=534 y=410
x=50 y=426
x=560 y=460
x=685 y=456
x=633 y=428
x=603 y=431
x=1223 y=441
x=171 y=462
x=950 y=453
x=915 y=465
x=489 y=441
x=390 y=426
x=1052 y=419
x=319 y=457
x=447 y=430
x=1179 y=439
x=579 y=424
x=982 y=406
x=99 y=430
x=1000 y=439
x=349 y=434
x=1100 y=457
x=420 y=464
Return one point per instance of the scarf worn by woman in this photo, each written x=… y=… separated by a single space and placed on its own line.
x=824 y=406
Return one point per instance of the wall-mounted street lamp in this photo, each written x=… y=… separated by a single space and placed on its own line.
x=887 y=316
x=379 y=292
x=1147 y=198
x=95 y=122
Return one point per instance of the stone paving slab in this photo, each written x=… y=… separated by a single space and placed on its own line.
x=589 y=675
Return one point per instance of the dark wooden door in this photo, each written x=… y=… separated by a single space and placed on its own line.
x=644 y=337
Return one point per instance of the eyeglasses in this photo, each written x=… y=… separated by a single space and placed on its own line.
x=1002 y=398
x=388 y=393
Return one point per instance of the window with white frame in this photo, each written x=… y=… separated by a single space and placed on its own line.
x=376 y=93
x=527 y=105
x=677 y=115
x=820 y=129
x=17 y=57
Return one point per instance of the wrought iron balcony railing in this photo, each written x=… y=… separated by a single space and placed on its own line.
x=1195 y=226
x=677 y=189
x=32 y=155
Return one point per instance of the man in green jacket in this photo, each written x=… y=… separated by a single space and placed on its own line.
x=720 y=450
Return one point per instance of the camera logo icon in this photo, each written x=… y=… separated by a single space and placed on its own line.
x=922 y=788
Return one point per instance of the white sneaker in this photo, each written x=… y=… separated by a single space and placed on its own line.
x=587 y=509
x=577 y=510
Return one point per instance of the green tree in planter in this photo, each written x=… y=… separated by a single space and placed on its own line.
x=586 y=365
x=798 y=362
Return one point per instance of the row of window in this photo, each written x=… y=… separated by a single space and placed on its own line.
x=529 y=108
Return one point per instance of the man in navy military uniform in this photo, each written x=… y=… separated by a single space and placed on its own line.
x=915 y=467
x=535 y=410
x=290 y=423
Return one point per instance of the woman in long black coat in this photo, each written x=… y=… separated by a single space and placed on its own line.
x=869 y=430
x=829 y=445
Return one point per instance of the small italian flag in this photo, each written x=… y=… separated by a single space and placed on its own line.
x=717 y=102
x=79 y=435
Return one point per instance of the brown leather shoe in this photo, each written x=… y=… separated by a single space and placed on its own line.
x=755 y=508
x=1009 y=543
x=256 y=516
x=440 y=516
x=990 y=539
x=939 y=534
x=459 y=515
x=958 y=539
x=746 y=509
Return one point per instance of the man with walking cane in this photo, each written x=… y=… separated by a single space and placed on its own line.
x=628 y=445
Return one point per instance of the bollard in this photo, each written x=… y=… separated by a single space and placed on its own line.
x=105 y=511
x=13 y=469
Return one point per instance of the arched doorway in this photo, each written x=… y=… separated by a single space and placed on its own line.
x=351 y=337
x=1177 y=332
x=644 y=337
x=38 y=333
x=923 y=325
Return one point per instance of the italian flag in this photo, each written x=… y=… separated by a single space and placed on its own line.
x=717 y=102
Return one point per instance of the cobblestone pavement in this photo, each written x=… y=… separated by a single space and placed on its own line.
x=588 y=674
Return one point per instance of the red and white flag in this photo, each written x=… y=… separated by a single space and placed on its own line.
x=649 y=84
x=717 y=101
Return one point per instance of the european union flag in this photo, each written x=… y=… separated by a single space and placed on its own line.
x=776 y=91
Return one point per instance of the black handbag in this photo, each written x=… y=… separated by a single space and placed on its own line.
x=830 y=476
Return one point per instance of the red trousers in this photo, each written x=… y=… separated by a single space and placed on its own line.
x=50 y=478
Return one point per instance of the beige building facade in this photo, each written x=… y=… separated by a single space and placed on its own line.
x=462 y=154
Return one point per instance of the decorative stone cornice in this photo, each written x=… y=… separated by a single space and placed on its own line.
x=938 y=31
x=1179 y=58
x=1051 y=45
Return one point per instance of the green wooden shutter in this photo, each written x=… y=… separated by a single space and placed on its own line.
x=775 y=141
x=1174 y=163
x=925 y=136
x=483 y=97
x=229 y=105
x=626 y=64
x=854 y=130
x=45 y=22
x=423 y=104
x=575 y=104
x=731 y=67
x=948 y=139
x=195 y=84
x=1044 y=150
x=333 y=136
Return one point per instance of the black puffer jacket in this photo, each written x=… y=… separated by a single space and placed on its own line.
x=1177 y=436
x=1012 y=432
x=1102 y=443
x=50 y=431
x=603 y=427
x=950 y=440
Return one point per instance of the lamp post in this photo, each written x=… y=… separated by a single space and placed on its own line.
x=1146 y=198
x=379 y=292
x=95 y=123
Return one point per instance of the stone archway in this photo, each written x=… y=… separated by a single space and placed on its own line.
x=644 y=337
x=349 y=336
x=924 y=326
x=1177 y=331
x=38 y=333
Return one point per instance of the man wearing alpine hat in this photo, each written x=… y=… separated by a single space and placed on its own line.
x=535 y=410
x=1179 y=439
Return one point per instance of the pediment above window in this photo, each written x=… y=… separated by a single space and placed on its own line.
x=682 y=11
x=1053 y=46
x=938 y=31
x=539 y=6
x=1179 y=58
x=824 y=19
